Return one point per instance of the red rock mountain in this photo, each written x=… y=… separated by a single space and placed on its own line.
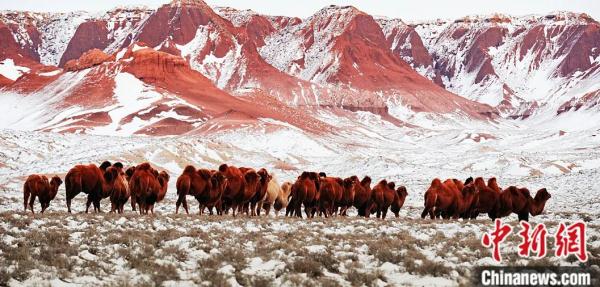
x=521 y=65
x=339 y=57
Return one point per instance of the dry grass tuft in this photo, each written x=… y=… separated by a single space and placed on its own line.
x=358 y=278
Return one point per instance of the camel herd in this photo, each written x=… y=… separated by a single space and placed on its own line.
x=243 y=190
x=453 y=198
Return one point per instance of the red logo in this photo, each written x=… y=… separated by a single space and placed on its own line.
x=568 y=239
x=534 y=242
x=573 y=243
x=496 y=237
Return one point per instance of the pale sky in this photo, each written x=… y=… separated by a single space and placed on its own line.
x=404 y=9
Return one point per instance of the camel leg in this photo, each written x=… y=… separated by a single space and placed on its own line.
x=97 y=205
x=233 y=209
x=44 y=206
x=26 y=194
x=492 y=215
x=133 y=203
x=69 y=204
x=185 y=206
x=259 y=206
x=298 y=210
x=524 y=216
x=31 y=202
x=88 y=203
x=177 y=205
x=267 y=207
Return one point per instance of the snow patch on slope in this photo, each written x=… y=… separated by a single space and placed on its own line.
x=131 y=95
x=11 y=71
x=30 y=112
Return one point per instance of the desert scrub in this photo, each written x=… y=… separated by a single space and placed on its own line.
x=307 y=265
x=367 y=278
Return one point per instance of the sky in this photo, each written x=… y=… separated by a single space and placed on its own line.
x=404 y=9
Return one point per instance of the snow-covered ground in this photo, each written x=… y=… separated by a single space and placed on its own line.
x=192 y=250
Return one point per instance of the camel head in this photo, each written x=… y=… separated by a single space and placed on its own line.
x=218 y=181
x=163 y=178
x=129 y=172
x=265 y=177
x=493 y=184
x=402 y=192
x=348 y=183
x=110 y=177
x=539 y=202
x=55 y=182
x=468 y=180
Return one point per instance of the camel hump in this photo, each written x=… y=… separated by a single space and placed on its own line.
x=189 y=169
x=204 y=173
x=366 y=180
x=436 y=182
x=144 y=166
x=513 y=189
x=223 y=167
x=105 y=165
x=391 y=185
x=525 y=192
x=250 y=176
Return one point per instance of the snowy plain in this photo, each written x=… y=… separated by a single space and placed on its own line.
x=168 y=249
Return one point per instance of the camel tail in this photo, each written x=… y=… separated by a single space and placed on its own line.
x=183 y=186
x=72 y=185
